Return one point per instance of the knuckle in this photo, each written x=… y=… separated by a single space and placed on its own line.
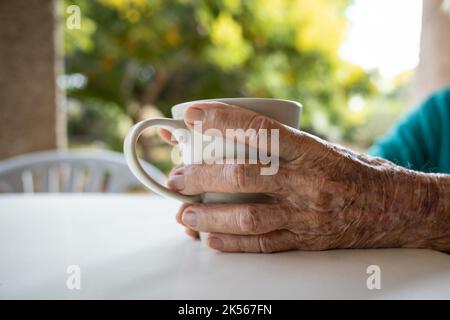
x=248 y=220
x=259 y=122
x=239 y=173
x=265 y=244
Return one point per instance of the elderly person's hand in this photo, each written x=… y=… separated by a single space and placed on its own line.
x=322 y=197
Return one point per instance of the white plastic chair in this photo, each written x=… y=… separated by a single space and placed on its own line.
x=70 y=171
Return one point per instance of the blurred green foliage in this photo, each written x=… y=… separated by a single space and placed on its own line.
x=135 y=53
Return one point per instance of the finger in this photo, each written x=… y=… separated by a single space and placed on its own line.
x=228 y=178
x=281 y=240
x=240 y=219
x=180 y=213
x=177 y=170
x=221 y=116
x=167 y=136
x=192 y=233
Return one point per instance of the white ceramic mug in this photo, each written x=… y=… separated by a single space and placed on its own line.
x=284 y=111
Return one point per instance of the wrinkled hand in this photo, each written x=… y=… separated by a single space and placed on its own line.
x=322 y=197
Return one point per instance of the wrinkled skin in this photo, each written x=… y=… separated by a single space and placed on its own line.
x=323 y=196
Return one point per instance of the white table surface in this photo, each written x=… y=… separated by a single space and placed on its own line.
x=131 y=247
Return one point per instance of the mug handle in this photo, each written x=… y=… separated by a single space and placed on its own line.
x=129 y=148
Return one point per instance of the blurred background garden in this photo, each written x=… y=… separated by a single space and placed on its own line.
x=354 y=65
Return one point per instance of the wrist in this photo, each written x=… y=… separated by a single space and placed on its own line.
x=403 y=208
x=422 y=210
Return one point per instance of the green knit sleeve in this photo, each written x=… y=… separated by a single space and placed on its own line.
x=416 y=141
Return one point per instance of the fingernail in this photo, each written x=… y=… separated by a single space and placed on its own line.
x=176 y=182
x=189 y=218
x=215 y=243
x=193 y=114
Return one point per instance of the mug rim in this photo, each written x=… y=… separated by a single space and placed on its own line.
x=182 y=105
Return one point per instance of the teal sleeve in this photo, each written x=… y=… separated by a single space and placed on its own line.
x=421 y=140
